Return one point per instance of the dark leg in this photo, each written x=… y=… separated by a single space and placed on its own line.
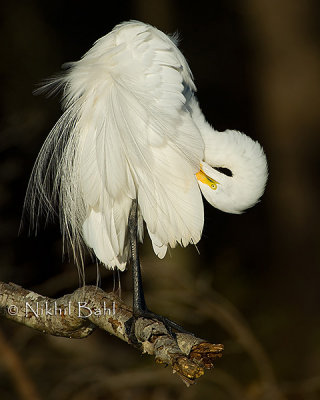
x=139 y=304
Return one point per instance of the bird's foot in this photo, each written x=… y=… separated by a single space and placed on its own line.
x=171 y=326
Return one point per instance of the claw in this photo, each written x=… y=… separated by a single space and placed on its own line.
x=169 y=324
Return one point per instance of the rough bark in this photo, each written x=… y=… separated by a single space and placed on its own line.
x=78 y=314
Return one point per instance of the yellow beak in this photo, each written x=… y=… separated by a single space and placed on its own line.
x=204 y=178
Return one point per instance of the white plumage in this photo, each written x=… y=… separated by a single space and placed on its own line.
x=132 y=129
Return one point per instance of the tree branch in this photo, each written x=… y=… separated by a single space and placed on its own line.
x=78 y=314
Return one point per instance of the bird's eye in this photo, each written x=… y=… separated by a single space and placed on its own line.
x=204 y=178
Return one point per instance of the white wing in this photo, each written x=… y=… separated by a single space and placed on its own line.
x=126 y=133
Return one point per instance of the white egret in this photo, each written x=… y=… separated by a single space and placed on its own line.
x=133 y=146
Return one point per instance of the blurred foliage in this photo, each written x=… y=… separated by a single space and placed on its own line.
x=255 y=284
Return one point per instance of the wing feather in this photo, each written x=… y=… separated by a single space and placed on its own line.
x=127 y=133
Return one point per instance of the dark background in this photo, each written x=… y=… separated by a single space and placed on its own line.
x=255 y=284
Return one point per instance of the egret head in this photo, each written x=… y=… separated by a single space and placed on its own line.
x=233 y=175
